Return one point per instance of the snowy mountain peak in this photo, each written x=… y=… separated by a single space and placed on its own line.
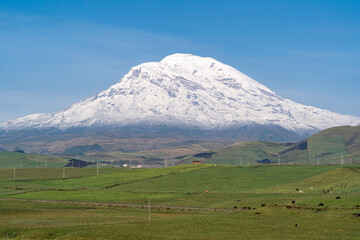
x=200 y=70
x=189 y=61
x=189 y=91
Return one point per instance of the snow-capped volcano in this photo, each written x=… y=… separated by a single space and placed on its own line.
x=184 y=90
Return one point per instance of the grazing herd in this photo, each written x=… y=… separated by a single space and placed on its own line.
x=292 y=202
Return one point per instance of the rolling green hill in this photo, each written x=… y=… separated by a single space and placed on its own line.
x=339 y=145
x=242 y=153
x=336 y=141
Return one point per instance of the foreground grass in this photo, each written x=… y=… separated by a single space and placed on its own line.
x=206 y=186
x=43 y=221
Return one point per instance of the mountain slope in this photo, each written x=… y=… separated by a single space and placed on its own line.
x=191 y=92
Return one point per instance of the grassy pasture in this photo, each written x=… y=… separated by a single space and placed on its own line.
x=60 y=221
x=49 y=173
x=184 y=186
x=28 y=160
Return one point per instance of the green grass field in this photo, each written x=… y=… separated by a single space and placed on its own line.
x=215 y=190
x=49 y=173
x=28 y=160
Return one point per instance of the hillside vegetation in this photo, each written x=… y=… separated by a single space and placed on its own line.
x=339 y=145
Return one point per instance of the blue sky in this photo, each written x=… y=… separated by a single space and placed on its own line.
x=53 y=53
